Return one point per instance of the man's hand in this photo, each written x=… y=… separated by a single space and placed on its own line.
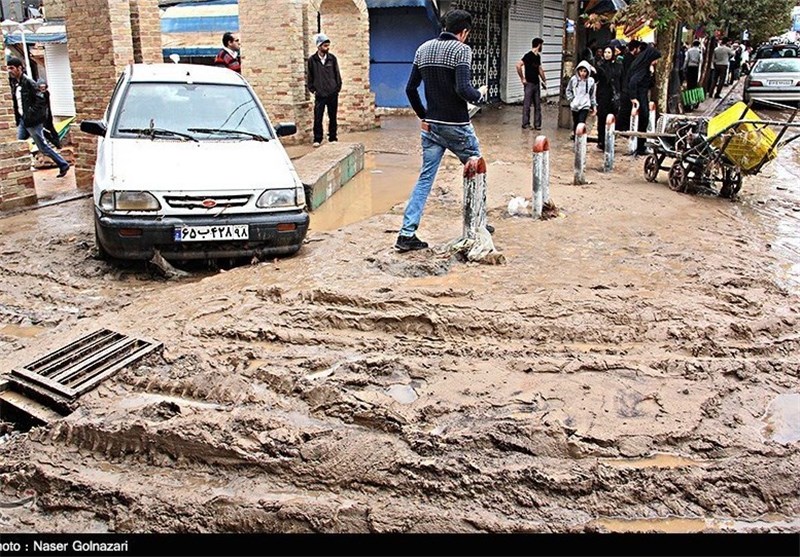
x=424 y=126
x=483 y=90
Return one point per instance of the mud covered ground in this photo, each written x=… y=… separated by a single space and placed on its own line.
x=633 y=367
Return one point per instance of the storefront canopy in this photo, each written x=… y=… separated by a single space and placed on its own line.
x=45 y=34
x=428 y=5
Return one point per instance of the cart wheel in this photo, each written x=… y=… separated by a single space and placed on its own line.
x=731 y=184
x=677 y=177
x=651 y=168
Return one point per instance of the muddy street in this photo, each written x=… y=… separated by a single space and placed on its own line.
x=632 y=367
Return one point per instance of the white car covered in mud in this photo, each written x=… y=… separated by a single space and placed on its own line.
x=189 y=165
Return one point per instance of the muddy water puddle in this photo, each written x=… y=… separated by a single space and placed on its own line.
x=660 y=460
x=387 y=179
x=20 y=331
x=783 y=419
x=662 y=525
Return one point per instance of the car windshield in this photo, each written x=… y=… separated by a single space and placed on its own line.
x=777 y=65
x=178 y=110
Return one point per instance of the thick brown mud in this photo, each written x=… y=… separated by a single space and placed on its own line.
x=632 y=367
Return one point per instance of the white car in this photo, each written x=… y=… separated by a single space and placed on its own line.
x=773 y=79
x=189 y=164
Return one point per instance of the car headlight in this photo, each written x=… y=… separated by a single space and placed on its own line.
x=277 y=198
x=128 y=201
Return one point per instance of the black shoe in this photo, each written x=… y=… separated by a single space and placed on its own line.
x=490 y=228
x=63 y=172
x=409 y=243
x=537 y=128
x=334 y=140
x=526 y=126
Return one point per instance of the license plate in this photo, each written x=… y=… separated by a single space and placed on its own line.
x=218 y=233
x=780 y=82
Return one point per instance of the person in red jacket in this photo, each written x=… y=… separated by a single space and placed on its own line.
x=230 y=55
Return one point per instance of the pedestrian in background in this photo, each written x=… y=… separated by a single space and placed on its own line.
x=230 y=56
x=640 y=81
x=531 y=74
x=609 y=91
x=325 y=83
x=625 y=100
x=50 y=133
x=444 y=64
x=581 y=94
x=721 y=60
x=691 y=65
x=30 y=111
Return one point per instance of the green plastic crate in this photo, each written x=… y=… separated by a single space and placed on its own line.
x=693 y=96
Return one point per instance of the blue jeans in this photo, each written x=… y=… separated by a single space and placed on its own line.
x=37 y=133
x=463 y=143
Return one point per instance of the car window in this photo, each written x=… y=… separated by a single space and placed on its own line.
x=777 y=65
x=180 y=106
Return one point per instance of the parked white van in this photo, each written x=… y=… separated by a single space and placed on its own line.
x=189 y=164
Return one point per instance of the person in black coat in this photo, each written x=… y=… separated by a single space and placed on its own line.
x=50 y=133
x=624 y=118
x=640 y=80
x=609 y=89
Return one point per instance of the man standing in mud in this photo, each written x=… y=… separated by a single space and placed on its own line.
x=445 y=65
x=531 y=73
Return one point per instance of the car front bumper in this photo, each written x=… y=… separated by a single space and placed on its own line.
x=138 y=237
x=777 y=94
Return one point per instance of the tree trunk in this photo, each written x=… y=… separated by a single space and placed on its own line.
x=665 y=43
x=569 y=59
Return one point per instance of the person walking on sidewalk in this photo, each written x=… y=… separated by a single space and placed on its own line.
x=640 y=81
x=30 y=111
x=531 y=73
x=581 y=94
x=444 y=64
x=230 y=56
x=691 y=65
x=324 y=82
x=721 y=60
x=609 y=88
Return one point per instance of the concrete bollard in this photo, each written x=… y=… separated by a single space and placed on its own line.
x=541 y=175
x=474 y=197
x=632 y=142
x=580 y=154
x=651 y=118
x=608 y=153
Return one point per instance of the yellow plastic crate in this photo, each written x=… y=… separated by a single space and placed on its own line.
x=750 y=142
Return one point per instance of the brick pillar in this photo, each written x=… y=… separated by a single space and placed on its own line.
x=100 y=47
x=346 y=22
x=273 y=47
x=16 y=179
x=146 y=31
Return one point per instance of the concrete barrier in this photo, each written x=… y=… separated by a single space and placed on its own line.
x=632 y=142
x=541 y=175
x=608 y=153
x=474 y=197
x=580 y=154
x=325 y=170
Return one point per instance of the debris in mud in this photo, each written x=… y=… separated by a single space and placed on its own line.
x=479 y=249
x=408 y=267
x=166 y=268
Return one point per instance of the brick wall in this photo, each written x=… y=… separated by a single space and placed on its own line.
x=273 y=34
x=346 y=22
x=55 y=9
x=16 y=180
x=146 y=31
x=99 y=49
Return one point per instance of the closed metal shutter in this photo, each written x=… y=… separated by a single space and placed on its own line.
x=524 y=24
x=59 y=80
x=553 y=35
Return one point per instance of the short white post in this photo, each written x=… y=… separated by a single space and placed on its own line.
x=541 y=175
x=474 y=197
x=651 y=119
x=608 y=153
x=632 y=142
x=580 y=154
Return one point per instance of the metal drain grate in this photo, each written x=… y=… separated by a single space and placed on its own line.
x=63 y=375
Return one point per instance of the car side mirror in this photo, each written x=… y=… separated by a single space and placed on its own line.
x=94 y=127
x=286 y=128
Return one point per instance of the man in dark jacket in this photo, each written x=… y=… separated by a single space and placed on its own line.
x=325 y=82
x=30 y=111
x=640 y=80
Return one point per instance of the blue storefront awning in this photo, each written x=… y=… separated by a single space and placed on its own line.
x=427 y=5
x=33 y=38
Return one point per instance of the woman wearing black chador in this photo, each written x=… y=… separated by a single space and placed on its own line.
x=609 y=76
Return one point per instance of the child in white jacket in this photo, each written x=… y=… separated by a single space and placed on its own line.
x=581 y=94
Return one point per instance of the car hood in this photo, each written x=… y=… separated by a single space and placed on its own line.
x=198 y=166
x=766 y=76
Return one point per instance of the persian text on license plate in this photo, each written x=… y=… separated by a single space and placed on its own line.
x=217 y=233
x=780 y=82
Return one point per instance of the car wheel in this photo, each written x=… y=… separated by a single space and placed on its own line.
x=102 y=254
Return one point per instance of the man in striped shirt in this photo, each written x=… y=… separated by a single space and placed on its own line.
x=444 y=64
